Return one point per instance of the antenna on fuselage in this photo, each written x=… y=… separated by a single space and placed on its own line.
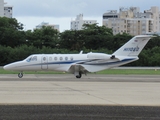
x=81 y=52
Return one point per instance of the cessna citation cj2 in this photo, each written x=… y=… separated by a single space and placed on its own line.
x=79 y=64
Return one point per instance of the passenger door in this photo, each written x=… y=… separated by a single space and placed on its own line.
x=44 y=64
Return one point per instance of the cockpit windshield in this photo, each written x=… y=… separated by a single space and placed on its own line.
x=31 y=58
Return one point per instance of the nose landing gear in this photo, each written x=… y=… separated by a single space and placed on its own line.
x=20 y=75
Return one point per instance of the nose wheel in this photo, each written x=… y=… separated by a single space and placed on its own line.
x=20 y=75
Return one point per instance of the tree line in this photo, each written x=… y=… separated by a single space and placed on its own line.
x=17 y=44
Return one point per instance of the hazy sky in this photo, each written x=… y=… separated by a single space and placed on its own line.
x=61 y=12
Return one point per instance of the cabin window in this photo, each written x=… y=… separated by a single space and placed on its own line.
x=50 y=58
x=55 y=58
x=71 y=58
x=61 y=58
x=66 y=58
x=44 y=58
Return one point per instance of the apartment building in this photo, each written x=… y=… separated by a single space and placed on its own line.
x=1 y=8
x=77 y=24
x=132 y=21
x=47 y=24
x=8 y=11
x=5 y=10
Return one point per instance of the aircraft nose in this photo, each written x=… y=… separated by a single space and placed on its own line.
x=12 y=66
x=6 y=67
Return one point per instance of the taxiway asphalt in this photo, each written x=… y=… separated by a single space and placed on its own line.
x=91 y=97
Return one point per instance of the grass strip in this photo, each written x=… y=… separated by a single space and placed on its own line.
x=108 y=71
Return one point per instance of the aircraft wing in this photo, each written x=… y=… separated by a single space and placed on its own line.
x=86 y=66
x=76 y=68
x=97 y=65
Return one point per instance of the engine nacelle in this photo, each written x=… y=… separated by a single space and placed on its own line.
x=98 y=56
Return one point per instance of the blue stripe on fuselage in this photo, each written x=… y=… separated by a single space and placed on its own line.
x=82 y=62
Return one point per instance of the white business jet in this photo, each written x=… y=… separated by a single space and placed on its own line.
x=79 y=64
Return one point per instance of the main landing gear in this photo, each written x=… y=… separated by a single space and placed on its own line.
x=79 y=76
x=20 y=75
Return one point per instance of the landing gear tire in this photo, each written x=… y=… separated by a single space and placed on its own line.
x=20 y=75
x=79 y=76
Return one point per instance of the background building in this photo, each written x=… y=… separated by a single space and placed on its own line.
x=47 y=24
x=132 y=21
x=5 y=10
x=77 y=24
x=8 y=11
x=1 y=8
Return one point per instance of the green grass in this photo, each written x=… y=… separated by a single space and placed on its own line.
x=2 y=71
x=108 y=71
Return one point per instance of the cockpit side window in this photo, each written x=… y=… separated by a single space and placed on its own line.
x=34 y=58
x=29 y=59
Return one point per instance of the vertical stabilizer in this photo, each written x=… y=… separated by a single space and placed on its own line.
x=134 y=46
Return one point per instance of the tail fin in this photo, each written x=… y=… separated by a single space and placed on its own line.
x=134 y=46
